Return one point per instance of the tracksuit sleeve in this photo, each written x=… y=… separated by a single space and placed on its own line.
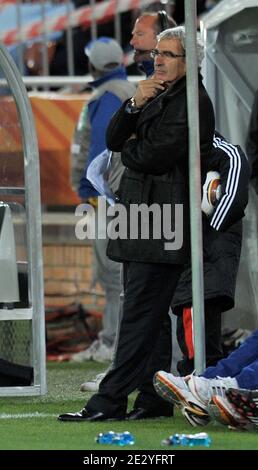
x=234 y=174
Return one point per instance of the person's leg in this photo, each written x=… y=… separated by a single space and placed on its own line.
x=93 y=384
x=248 y=376
x=111 y=314
x=148 y=292
x=147 y=398
x=107 y=273
x=232 y=365
x=185 y=340
x=212 y=337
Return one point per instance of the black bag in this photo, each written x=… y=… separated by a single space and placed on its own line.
x=12 y=374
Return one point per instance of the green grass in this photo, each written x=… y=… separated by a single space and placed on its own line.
x=46 y=433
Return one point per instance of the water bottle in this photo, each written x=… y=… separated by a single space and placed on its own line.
x=105 y=438
x=118 y=438
x=191 y=440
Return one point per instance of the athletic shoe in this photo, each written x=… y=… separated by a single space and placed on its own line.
x=245 y=402
x=98 y=351
x=194 y=418
x=92 y=385
x=87 y=354
x=175 y=390
x=203 y=389
x=225 y=413
x=103 y=353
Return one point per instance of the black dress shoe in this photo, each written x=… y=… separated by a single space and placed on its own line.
x=85 y=415
x=148 y=413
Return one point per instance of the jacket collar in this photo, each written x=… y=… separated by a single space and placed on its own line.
x=155 y=106
x=146 y=66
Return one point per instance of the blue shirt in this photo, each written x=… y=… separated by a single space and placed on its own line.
x=100 y=112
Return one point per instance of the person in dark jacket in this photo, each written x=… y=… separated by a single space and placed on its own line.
x=222 y=239
x=222 y=242
x=221 y=247
x=144 y=39
x=151 y=131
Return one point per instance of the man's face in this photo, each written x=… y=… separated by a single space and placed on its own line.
x=169 y=69
x=143 y=37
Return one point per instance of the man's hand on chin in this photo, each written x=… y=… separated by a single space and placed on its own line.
x=147 y=90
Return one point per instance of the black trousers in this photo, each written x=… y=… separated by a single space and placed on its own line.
x=161 y=358
x=148 y=292
x=213 y=342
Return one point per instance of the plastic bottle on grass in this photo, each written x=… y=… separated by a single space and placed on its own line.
x=191 y=440
x=118 y=438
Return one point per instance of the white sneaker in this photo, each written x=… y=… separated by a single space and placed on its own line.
x=87 y=354
x=103 y=353
x=203 y=389
x=175 y=389
x=224 y=412
x=92 y=385
x=194 y=418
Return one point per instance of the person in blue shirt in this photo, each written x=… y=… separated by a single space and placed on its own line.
x=110 y=89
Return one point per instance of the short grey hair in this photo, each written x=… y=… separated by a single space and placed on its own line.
x=179 y=33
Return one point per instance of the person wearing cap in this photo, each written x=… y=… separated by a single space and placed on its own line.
x=111 y=89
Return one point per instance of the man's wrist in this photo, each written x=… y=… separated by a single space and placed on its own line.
x=131 y=106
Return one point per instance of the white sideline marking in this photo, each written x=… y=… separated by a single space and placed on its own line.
x=26 y=415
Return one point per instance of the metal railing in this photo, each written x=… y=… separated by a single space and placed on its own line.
x=35 y=312
x=88 y=16
x=67 y=84
x=195 y=186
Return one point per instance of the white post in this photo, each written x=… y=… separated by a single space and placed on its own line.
x=195 y=186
